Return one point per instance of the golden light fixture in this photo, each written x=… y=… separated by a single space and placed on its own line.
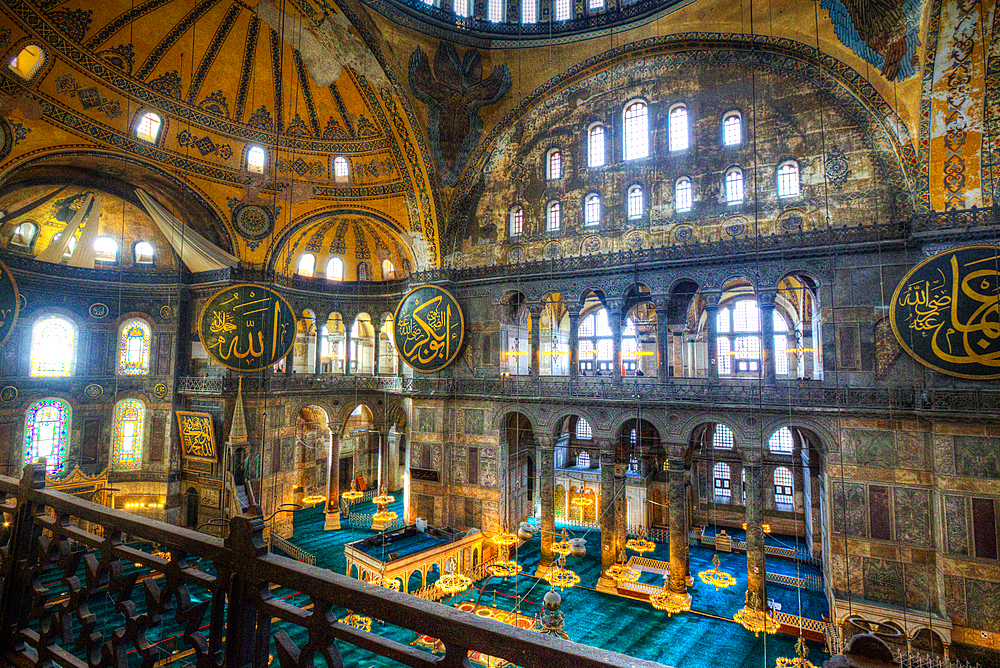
x=453 y=583
x=384 y=516
x=800 y=660
x=640 y=545
x=562 y=546
x=313 y=499
x=352 y=494
x=754 y=618
x=380 y=579
x=622 y=573
x=583 y=501
x=562 y=577
x=505 y=539
x=671 y=602
x=383 y=499
x=360 y=622
x=505 y=569
x=766 y=528
x=717 y=577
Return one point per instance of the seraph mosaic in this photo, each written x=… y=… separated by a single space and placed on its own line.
x=454 y=91
x=885 y=35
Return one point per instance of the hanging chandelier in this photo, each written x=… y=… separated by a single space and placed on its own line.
x=640 y=545
x=621 y=572
x=313 y=499
x=383 y=499
x=583 y=501
x=352 y=494
x=562 y=546
x=671 y=602
x=380 y=579
x=562 y=578
x=717 y=577
x=384 y=516
x=505 y=539
x=766 y=528
x=360 y=622
x=754 y=618
x=799 y=661
x=505 y=569
x=453 y=583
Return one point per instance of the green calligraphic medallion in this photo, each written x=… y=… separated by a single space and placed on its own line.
x=428 y=328
x=247 y=327
x=10 y=303
x=946 y=312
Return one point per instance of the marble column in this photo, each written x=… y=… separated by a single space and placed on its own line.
x=333 y=484
x=547 y=490
x=711 y=324
x=678 y=528
x=615 y=324
x=383 y=460
x=609 y=553
x=574 y=344
x=376 y=348
x=765 y=301
x=754 y=515
x=536 y=329
x=318 y=356
x=662 y=343
x=290 y=362
x=347 y=349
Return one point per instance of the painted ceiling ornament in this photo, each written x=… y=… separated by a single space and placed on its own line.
x=886 y=37
x=454 y=90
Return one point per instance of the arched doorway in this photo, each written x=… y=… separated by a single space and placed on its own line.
x=519 y=484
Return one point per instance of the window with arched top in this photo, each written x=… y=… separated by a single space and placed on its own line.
x=583 y=459
x=788 y=179
x=592 y=209
x=494 y=10
x=721 y=483
x=307 y=265
x=24 y=234
x=28 y=61
x=256 y=160
x=678 y=128
x=46 y=432
x=732 y=129
x=462 y=7
x=126 y=448
x=722 y=439
x=335 y=269
x=364 y=271
x=553 y=216
x=636 y=131
x=134 y=339
x=734 y=186
x=563 y=10
x=388 y=270
x=784 y=489
x=635 y=203
x=341 y=169
x=596 y=5
x=683 y=194
x=106 y=250
x=553 y=164
x=516 y=221
x=53 y=347
x=781 y=441
x=596 y=344
x=583 y=430
x=738 y=338
x=529 y=11
x=595 y=146
x=143 y=253
x=148 y=127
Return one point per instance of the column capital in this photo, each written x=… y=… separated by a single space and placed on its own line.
x=765 y=298
x=606 y=444
x=676 y=464
x=545 y=441
x=711 y=299
x=751 y=458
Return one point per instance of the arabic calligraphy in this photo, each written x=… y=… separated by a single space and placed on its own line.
x=247 y=327
x=197 y=435
x=946 y=312
x=428 y=328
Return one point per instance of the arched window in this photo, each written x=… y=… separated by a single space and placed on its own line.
x=732 y=129
x=596 y=344
x=529 y=11
x=592 y=209
x=516 y=221
x=583 y=460
x=788 y=179
x=307 y=264
x=143 y=253
x=494 y=10
x=341 y=169
x=596 y=5
x=734 y=186
x=28 y=61
x=388 y=270
x=364 y=272
x=126 y=450
x=635 y=204
x=563 y=10
x=678 y=128
x=738 y=335
x=46 y=432
x=106 y=250
x=24 y=234
x=723 y=437
x=781 y=441
x=784 y=490
x=53 y=347
x=256 y=160
x=721 y=483
x=134 y=338
x=148 y=127
x=553 y=214
x=636 y=131
x=553 y=164
x=583 y=430
x=595 y=146
x=682 y=194
x=335 y=269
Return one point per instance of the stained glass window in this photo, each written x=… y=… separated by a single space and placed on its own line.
x=529 y=11
x=583 y=430
x=53 y=346
x=784 y=490
x=133 y=348
x=46 y=432
x=256 y=160
x=723 y=437
x=734 y=186
x=130 y=416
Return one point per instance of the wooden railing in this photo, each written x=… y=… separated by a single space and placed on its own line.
x=216 y=593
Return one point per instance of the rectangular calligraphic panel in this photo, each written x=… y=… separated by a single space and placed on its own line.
x=157 y=435
x=98 y=351
x=426 y=475
x=197 y=436
x=163 y=347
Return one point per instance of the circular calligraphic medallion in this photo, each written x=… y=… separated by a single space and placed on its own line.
x=10 y=303
x=93 y=391
x=166 y=312
x=98 y=310
x=945 y=312
x=160 y=391
x=428 y=328
x=247 y=327
x=8 y=394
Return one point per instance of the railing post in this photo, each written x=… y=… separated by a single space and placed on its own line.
x=21 y=557
x=248 y=630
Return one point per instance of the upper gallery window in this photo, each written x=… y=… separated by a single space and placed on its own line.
x=721 y=483
x=682 y=194
x=462 y=7
x=529 y=11
x=335 y=269
x=595 y=146
x=732 y=129
x=553 y=216
x=592 y=209
x=563 y=10
x=341 y=169
x=722 y=439
x=516 y=221
x=27 y=62
x=635 y=204
x=364 y=274
x=53 y=347
x=734 y=186
x=148 y=127
x=553 y=165
x=388 y=270
x=596 y=5
x=781 y=441
x=583 y=430
x=143 y=253
x=307 y=264
x=788 y=179
x=636 y=131
x=46 y=432
x=106 y=249
x=256 y=160
x=24 y=234
x=784 y=490
x=126 y=451
x=494 y=10
x=678 y=128
x=133 y=348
